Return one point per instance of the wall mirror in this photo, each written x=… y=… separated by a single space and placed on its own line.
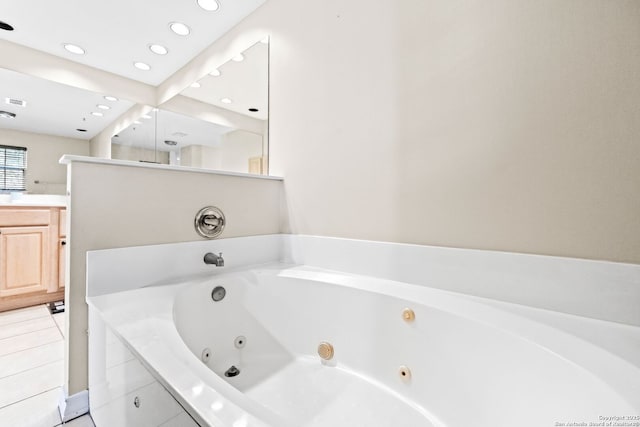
x=49 y=119
x=219 y=122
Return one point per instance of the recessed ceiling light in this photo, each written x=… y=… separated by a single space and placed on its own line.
x=195 y=84
x=226 y=101
x=81 y=130
x=74 y=48
x=103 y=107
x=110 y=98
x=146 y=116
x=179 y=28
x=170 y=142
x=158 y=49
x=238 y=58
x=253 y=110
x=209 y=5
x=7 y=115
x=142 y=66
x=137 y=122
x=97 y=114
x=265 y=40
x=5 y=26
x=215 y=73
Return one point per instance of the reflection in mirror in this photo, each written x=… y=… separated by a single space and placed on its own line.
x=240 y=85
x=176 y=139
x=50 y=108
x=220 y=122
x=50 y=119
x=138 y=142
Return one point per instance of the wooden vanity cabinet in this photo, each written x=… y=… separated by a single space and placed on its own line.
x=31 y=259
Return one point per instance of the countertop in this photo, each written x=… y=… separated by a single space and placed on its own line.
x=33 y=200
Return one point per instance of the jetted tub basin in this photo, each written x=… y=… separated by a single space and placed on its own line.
x=244 y=349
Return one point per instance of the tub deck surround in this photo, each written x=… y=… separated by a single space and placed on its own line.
x=596 y=289
x=163 y=264
x=495 y=359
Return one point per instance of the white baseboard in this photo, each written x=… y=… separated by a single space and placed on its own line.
x=73 y=406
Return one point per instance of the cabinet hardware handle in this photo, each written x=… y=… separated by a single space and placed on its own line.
x=63 y=242
x=136 y=402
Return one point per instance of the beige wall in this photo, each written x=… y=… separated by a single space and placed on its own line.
x=117 y=206
x=501 y=124
x=43 y=155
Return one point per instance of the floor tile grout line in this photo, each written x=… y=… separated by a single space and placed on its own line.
x=9 y=313
x=24 y=333
x=35 y=346
x=23 y=320
x=36 y=367
x=25 y=309
x=88 y=414
x=33 y=367
x=27 y=398
x=32 y=332
x=33 y=308
x=58 y=326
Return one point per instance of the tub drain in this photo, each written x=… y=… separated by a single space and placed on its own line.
x=218 y=293
x=232 y=372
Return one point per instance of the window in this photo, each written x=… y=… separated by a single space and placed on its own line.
x=13 y=165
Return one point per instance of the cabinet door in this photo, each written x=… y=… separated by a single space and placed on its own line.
x=24 y=260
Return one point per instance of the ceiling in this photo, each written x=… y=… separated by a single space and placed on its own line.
x=115 y=34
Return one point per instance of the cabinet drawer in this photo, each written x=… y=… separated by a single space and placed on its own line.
x=20 y=217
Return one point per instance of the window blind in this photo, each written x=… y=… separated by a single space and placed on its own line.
x=13 y=164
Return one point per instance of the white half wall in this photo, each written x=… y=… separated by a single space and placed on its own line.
x=116 y=204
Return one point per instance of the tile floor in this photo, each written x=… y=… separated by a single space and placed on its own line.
x=32 y=369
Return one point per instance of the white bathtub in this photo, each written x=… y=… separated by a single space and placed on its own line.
x=472 y=361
